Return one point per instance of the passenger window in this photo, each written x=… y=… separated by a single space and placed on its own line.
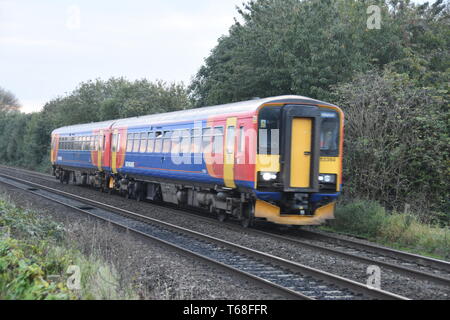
x=130 y=142
x=114 y=143
x=186 y=142
x=206 y=140
x=176 y=137
x=196 y=141
x=167 y=142
x=218 y=140
x=151 y=142
x=143 y=142
x=241 y=139
x=136 y=143
x=231 y=134
x=158 y=142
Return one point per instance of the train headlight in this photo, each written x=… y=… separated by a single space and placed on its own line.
x=269 y=176
x=327 y=178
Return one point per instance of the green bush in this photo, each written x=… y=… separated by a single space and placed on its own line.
x=23 y=271
x=363 y=218
x=28 y=224
x=33 y=247
x=369 y=219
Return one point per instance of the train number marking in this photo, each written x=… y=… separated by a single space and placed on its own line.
x=129 y=164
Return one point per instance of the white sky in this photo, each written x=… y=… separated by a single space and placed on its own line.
x=48 y=47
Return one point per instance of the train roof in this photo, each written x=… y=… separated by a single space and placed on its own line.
x=238 y=108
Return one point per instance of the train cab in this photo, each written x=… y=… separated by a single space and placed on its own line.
x=299 y=166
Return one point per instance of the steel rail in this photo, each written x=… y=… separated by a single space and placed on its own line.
x=351 y=244
x=353 y=286
x=377 y=249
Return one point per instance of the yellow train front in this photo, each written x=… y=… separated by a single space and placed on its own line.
x=299 y=162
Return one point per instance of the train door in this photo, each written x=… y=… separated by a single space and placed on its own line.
x=302 y=148
x=99 y=149
x=106 y=149
x=230 y=153
x=115 y=145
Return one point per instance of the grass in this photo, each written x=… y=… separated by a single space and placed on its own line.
x=370 y=220
x=35 y=258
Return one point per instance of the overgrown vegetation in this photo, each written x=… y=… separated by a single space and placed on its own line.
x=24 y=138
x=35 y=258
x=397 y=145
x=402 y=230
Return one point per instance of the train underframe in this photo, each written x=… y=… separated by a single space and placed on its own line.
x=225 y=203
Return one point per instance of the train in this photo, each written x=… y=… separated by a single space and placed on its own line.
x=277 y=159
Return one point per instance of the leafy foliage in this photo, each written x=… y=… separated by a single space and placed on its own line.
x=305 y=47
x=401 y=230
x=25 y=138
x=23 y=269
x=33 y=248
x=8 y=101
x=397 y=143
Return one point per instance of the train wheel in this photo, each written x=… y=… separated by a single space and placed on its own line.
x=247 y=219
x=221 y=216
x=140 y=197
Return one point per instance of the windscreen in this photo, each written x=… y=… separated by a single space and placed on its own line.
x=269 y=131
x=329 y=134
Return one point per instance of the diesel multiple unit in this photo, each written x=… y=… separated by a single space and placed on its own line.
x=277 y=159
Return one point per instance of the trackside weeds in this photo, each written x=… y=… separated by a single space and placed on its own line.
x=404 y=231
x=36 y=263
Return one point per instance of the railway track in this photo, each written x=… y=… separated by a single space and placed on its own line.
x=291 y=280
x=407 y=264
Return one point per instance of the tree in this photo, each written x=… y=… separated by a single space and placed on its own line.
x=8 y=101
x=25 y=139
x=396 y=142
x=305 y=47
